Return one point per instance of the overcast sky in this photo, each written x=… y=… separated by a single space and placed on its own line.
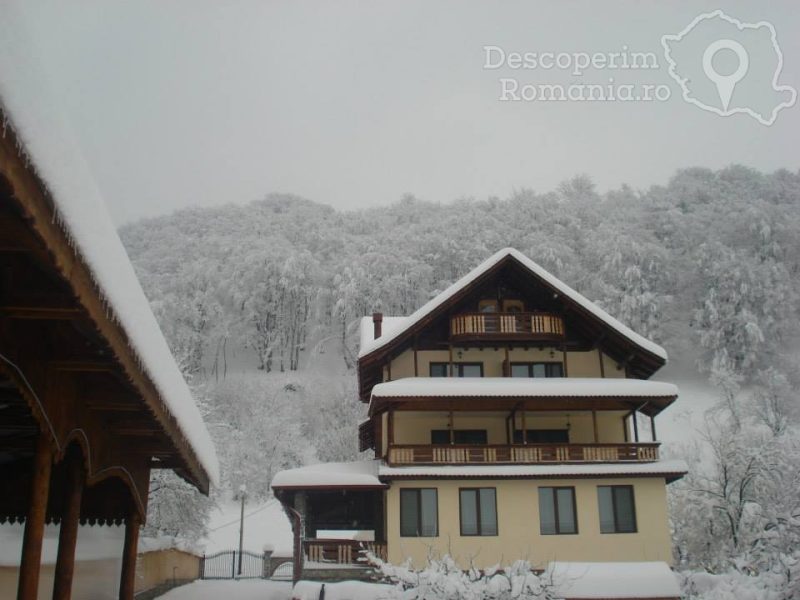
x=353 y=104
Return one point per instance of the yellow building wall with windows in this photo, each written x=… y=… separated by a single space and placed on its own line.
x=518 y=525
x=415 y=427
x=579 y=364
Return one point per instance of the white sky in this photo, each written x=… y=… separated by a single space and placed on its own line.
x=356 y=103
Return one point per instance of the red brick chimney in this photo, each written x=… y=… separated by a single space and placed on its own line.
x=377 y=320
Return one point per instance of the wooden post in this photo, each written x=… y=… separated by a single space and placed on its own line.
x=450 y=426
x=416 y=366
x=68 y=533
x=28 y=587
x=127 y=579
x=524 y=428
x=653 y=427
x=635 y=426
x=450 y=360
x=507 y=365
x=625 y=427
x=564 y=351
x=594 y=425
x=602 y=366
x=390 y=425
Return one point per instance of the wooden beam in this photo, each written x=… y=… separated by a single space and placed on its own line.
x=68 y=533
x=594 y=425
x=653 y=427
x=127 y=578
x=84 y=366
x=30 y=562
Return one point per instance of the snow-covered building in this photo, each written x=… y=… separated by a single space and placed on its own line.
x=510 y=417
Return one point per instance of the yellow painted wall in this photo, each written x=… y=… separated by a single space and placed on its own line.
x=579 y=364
x=518 y=525
x=415 y=427
x=154 y=568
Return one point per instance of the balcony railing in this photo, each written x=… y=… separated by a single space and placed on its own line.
x=341 y=552
x=522 y=454
x=511 y=326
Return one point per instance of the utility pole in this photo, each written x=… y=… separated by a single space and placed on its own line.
x=242 y=493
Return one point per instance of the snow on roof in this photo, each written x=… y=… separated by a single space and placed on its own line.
x=348 y=474
x=658 y=468
x=48 y=141
x=369 y=345
x=544 y=387
x=584 y=580
x=390 y=326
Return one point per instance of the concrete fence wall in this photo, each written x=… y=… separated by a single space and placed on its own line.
x=99 y=579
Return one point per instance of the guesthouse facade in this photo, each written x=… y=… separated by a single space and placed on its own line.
x=510 y=418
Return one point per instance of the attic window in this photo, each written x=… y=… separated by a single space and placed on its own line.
x=487 y=306
x=513 y=306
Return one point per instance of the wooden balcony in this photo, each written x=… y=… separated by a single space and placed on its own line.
x=520 y=454
x=506 y=326
x=341 y=552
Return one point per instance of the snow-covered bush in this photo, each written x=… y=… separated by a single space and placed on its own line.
x=443 y=579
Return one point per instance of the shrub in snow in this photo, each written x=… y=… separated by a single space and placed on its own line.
x=443 y=579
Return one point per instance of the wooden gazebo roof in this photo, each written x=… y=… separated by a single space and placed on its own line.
x=69 y=367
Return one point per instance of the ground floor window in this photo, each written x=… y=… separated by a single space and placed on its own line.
x=419 y=512
x=478 y=509
x=557 y=510
x=617 y=509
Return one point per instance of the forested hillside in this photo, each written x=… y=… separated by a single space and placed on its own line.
x=260 y=303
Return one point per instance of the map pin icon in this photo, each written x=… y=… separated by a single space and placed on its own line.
x=725 y=83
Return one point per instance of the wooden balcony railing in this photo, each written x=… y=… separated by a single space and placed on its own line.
x=341 y=552
x=500 y=326
x=522 y=454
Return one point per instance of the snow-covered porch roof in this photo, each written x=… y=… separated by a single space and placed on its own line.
x=428 y=393
x=607 y=580
x=669 y=469
x=346 y=475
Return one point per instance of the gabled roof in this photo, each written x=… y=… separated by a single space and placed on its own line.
x=394 y=327
x=45 y=138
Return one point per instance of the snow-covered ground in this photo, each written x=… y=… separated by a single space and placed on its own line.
x=248 y=589
x=265 y=524
x=94 y=543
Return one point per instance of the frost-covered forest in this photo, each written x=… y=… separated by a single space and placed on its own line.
x=260 y=303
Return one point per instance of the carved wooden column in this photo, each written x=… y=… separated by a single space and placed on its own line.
x=68 y=534
x=128 y=576
x=30 y=562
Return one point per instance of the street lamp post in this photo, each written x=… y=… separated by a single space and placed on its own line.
x=242 y=493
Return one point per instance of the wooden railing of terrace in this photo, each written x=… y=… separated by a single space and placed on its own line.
x=522 y=454
x=506 y=326
x=341 y=552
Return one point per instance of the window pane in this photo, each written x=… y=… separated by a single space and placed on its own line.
x=626 y=522
x=440 y=436
x=469 y=512
x=409 y=515
x=520 y=371
x=539 y=370
x=555 y=370
x=430 y=526
x=470 y=370
x=470 y=436
x=566 y=515
x=488 y=511
x=439 y=369
x=606 y=509
x=547 y=514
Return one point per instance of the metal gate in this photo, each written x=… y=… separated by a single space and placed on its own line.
x=225 y=565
